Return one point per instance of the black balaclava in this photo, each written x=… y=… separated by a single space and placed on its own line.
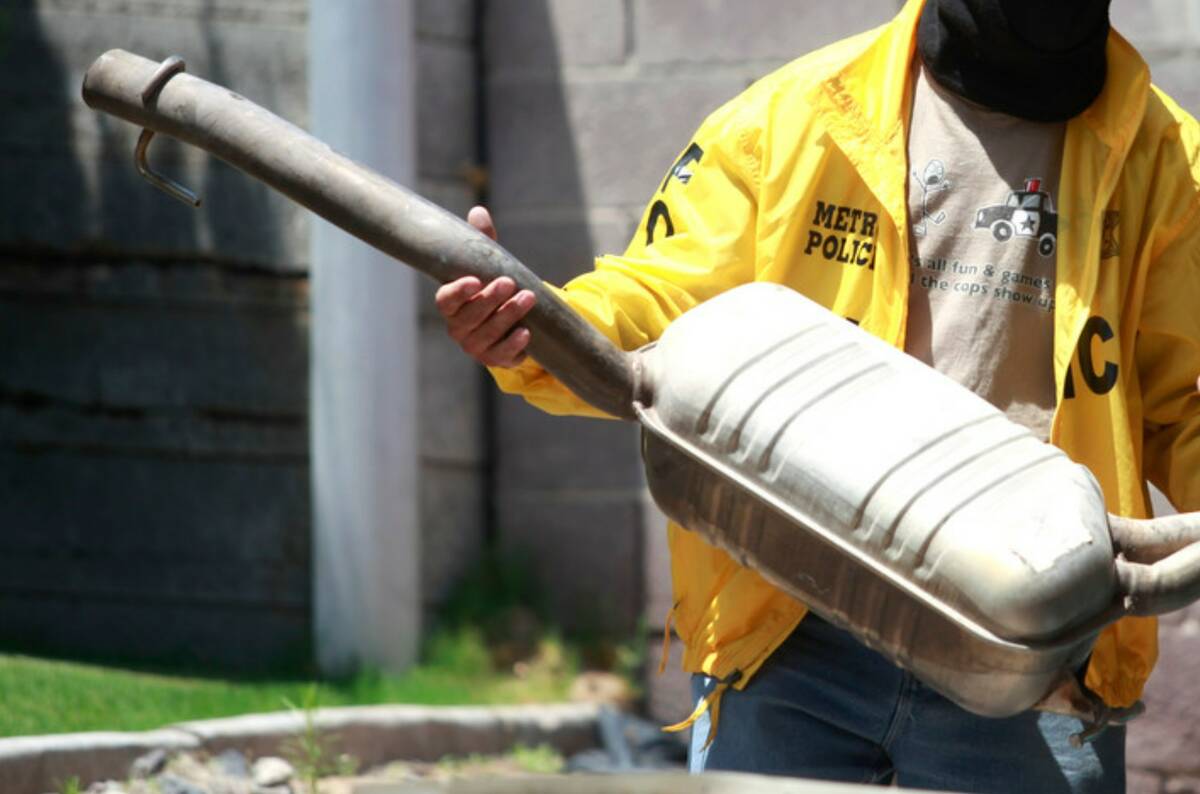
x=1041 y=60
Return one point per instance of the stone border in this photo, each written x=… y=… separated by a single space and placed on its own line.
x=372 y=734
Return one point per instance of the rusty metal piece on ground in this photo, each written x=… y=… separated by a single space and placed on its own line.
x=894 y=502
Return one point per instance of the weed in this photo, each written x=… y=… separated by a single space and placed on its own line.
x=540 y=760
x=521 y=759
x=70 y=786
x=498 y=584
x=311 y=751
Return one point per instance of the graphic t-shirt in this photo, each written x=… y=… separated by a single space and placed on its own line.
x=984 y=234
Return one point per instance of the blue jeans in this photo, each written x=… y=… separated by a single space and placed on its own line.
x=825 y=706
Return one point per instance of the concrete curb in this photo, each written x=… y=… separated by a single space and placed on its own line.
x=36 y=764
x=372 y=734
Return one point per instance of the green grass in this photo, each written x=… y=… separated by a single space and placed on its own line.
x=39 y=696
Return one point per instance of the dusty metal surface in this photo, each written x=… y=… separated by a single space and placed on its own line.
x=956 y=543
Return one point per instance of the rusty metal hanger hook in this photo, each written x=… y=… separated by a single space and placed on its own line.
x=168 y=69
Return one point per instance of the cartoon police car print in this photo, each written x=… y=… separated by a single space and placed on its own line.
x=1025 y=213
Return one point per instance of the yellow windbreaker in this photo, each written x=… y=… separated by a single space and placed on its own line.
x=801 y=181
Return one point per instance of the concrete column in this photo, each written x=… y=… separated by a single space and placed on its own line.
x=364 y=400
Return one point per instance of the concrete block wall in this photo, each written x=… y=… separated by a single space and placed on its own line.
x=153 y=377
x=154 y=382
x=453 y=449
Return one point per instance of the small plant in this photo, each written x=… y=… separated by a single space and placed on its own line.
x=70 y=786
x=311 y=751
x=520 y=760
x=540 y=760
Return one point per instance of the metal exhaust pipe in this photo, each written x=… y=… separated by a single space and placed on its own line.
x=1158 y=562
x=162 y=99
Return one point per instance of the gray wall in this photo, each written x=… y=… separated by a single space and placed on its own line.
x=453 y=450
x=153 y=383
x=153 y=441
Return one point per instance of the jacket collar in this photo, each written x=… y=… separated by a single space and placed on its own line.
x=865 y=105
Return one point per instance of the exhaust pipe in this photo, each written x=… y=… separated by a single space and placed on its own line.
x=161 y=98
x=1158 y=561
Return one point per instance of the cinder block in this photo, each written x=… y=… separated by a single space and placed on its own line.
x=1167 y=737
x=536 y=451
x=1183 y=784
x=657 y=564
x=584 y=551
x=28 y=423
x=85 y=193
x=1156 y=25
x=543 y=35
x=129 y=509
x=703 y=31
x=1174 y=72
x=137 y=285
x=596 y=143
x=155 y=355
x=446 y=19
x=446 y=97
x=451 y=401
x=266 y=63
x=558 y=247
x=532 y=158
x=274 y=13
x=231 y=637
x=164 y=582
x=452 y=193
x=1140 y=781
x=452 y=527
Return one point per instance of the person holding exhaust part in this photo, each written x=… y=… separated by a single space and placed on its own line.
x=996 y=187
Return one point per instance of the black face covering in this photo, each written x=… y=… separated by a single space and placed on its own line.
x=1041 y=60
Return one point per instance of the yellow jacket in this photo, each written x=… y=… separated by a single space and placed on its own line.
x=801 y=181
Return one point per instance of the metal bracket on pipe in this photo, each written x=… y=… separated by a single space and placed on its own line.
x=168 y=69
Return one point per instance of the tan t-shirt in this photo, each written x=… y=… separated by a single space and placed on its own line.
x=983 y=227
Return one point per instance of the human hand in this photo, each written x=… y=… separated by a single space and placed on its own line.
x=483 y=318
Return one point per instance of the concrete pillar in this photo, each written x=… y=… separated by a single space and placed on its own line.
x=364 y=401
